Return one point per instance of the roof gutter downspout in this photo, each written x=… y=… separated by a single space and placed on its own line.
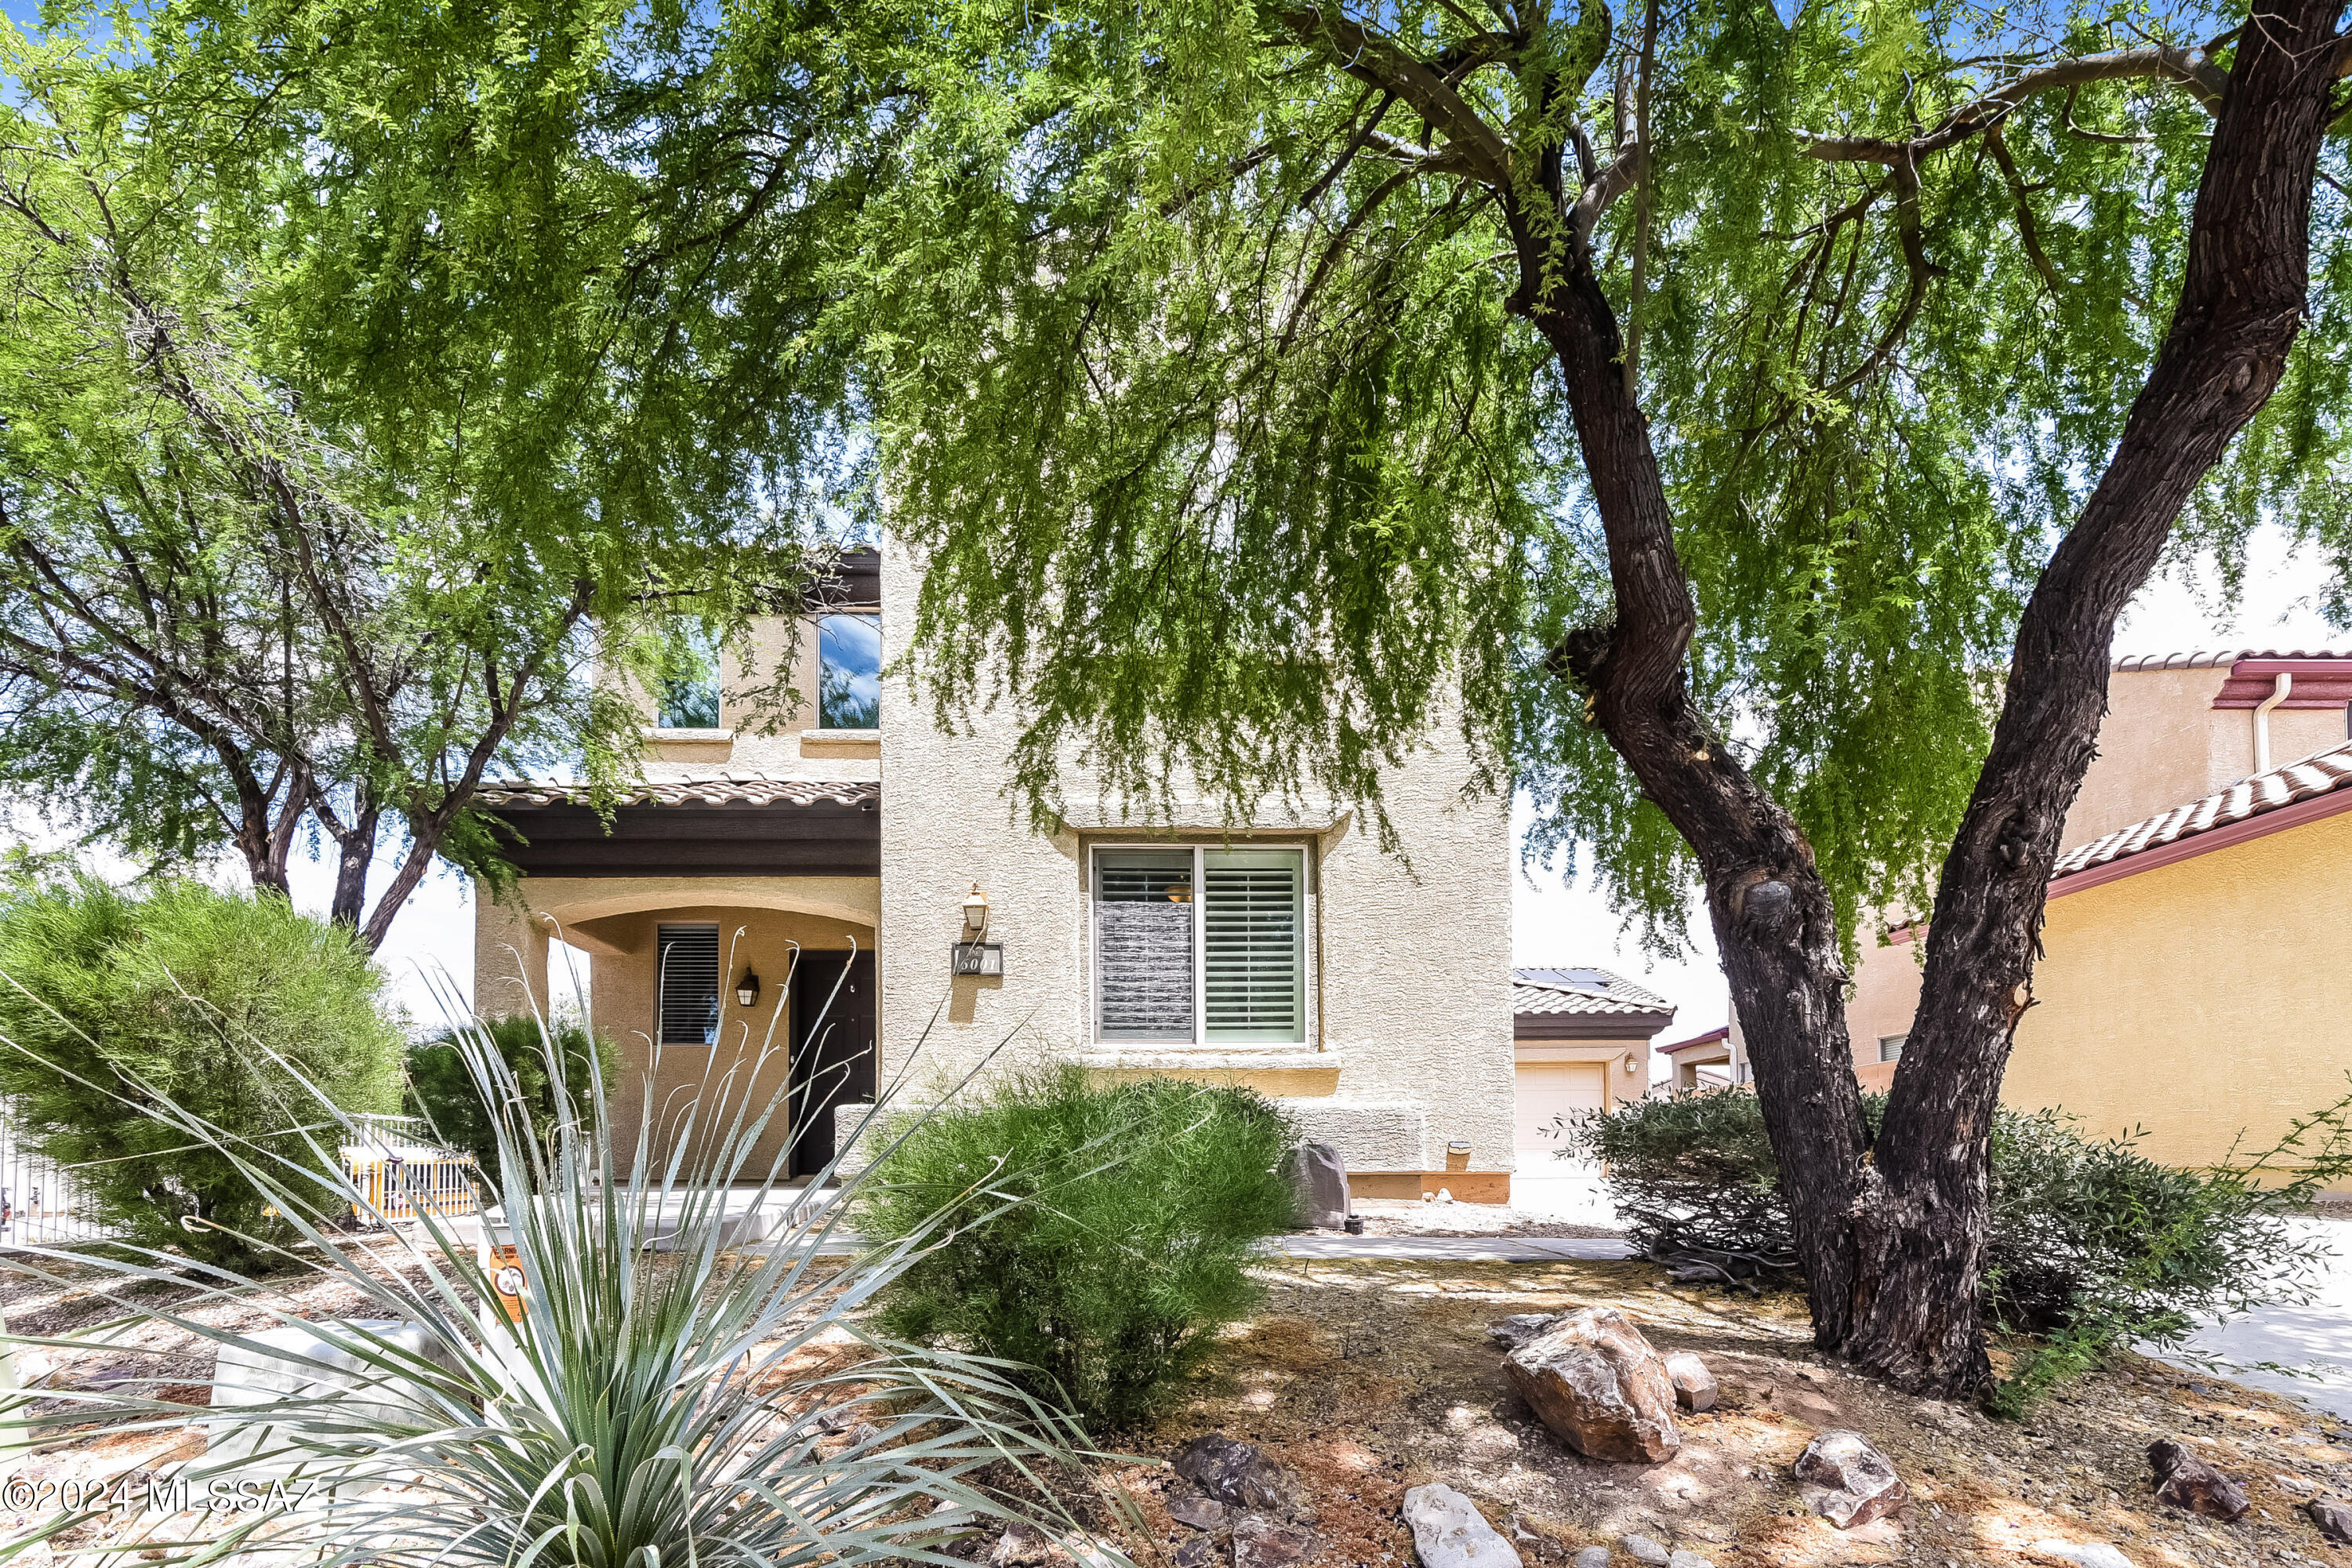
x=2284 y=684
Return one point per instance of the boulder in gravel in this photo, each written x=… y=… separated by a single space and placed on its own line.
x=1592 y=1557
x=1695 y=1387
x=2084 y=1555
x=1517 y=1330
x=1262 y=1543
x=1239 y=1473
x=1641 y=1549
x=1448 y=1532
x=1187 y=1506
x=1319 y=1178
x=1599 y=1386
x=1197 y=1552
x=2332 y=1518
x=1851 y=1483
x=1686 y=1560
x=2185 y=1480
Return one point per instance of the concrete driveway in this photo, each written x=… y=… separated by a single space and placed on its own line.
x=2315 y=1337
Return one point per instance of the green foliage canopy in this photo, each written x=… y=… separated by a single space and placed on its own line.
x=1199 y=377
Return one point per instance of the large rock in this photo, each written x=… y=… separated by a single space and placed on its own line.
x=1319 y=1177
x=1448 y=1532
x=1517 y=1330
x=1238 y=1473
x=1695 y=1387
x=2184 y=1480
x=280 y=1395
x=1597 y=1382
x=1643 y=1550
x=1852 y=1482
x=2334 y=1519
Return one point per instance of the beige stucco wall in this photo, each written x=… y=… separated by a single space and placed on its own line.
x=1611 y=1054
x=614 y=921
x=2199 y=999
x=1408 y=1046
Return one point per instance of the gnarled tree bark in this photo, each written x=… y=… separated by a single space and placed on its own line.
x=1890 y=1236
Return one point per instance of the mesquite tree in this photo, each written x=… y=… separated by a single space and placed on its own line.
x=1703 y=379
x=265 y=580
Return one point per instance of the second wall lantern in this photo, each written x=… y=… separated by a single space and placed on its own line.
x=747 y=990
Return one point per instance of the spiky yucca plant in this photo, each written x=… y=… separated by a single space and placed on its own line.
x=665 y=1397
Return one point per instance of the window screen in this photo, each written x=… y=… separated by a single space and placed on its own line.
x=1252 y=962
x=1143 y=944
x=1890 y=1048
x=689 y=985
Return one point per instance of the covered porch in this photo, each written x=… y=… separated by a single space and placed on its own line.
x=727 y=930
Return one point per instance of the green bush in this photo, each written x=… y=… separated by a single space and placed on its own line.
x=2090 y=1244
x=1106 y=1230
x=112 y=1006
x=445 y=1092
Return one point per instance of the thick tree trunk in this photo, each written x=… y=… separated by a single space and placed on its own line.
x=1891 y=1246
x=1920 y=1226
x=1773 y=921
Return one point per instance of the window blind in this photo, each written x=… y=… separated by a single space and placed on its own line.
x=688 y=963
x=1143 y=944
x=1251 y=958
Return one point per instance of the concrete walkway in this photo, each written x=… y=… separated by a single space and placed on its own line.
x=2315 y=1337
x=1455 y=1248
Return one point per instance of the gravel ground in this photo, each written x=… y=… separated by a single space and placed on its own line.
x=1373 y=1376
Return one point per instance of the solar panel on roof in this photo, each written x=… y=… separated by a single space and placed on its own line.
x=1592 y=978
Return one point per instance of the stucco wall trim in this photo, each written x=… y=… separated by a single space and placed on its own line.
x=2302 y=811
x=1275 y=1059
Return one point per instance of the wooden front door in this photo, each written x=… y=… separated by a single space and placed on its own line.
x=832 y=1049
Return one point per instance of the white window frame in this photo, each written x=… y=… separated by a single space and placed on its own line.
x=1309 y=949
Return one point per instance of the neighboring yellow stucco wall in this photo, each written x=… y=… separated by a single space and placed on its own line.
x=2199 y=999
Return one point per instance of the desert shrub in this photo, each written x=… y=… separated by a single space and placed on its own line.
x=2090 y=1244
x=1106 y=1234
x=663 y=1398
x=113 y=1005
x=448 y=1093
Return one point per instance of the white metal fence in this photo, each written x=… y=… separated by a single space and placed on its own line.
x=40 y=1205
x=394 y=1161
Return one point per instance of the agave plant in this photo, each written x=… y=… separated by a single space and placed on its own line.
x=671 y=1392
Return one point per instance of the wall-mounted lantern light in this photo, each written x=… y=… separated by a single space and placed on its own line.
x=975 y=914
x=747 y=990
x=1630 y=1067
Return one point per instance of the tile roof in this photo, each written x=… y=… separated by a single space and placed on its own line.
x=1594 y=993
x=1721 y=1032
x=2320 y=773
x=2213 y=659
x=733 y=789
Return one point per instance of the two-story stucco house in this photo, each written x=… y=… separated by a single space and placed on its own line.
x=1288 y=952
x=2194 y=982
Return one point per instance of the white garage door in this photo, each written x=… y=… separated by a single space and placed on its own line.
x=1551 y=1089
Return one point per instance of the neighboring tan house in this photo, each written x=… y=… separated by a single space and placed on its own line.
x=1363 y=991
x=1580 y=1041
x=1712 y=1060
x=2194 y=981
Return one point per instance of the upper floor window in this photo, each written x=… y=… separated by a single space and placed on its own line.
x=849 y=672
x=689 y=689
x=1890 y=1048
x=1198 y=946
